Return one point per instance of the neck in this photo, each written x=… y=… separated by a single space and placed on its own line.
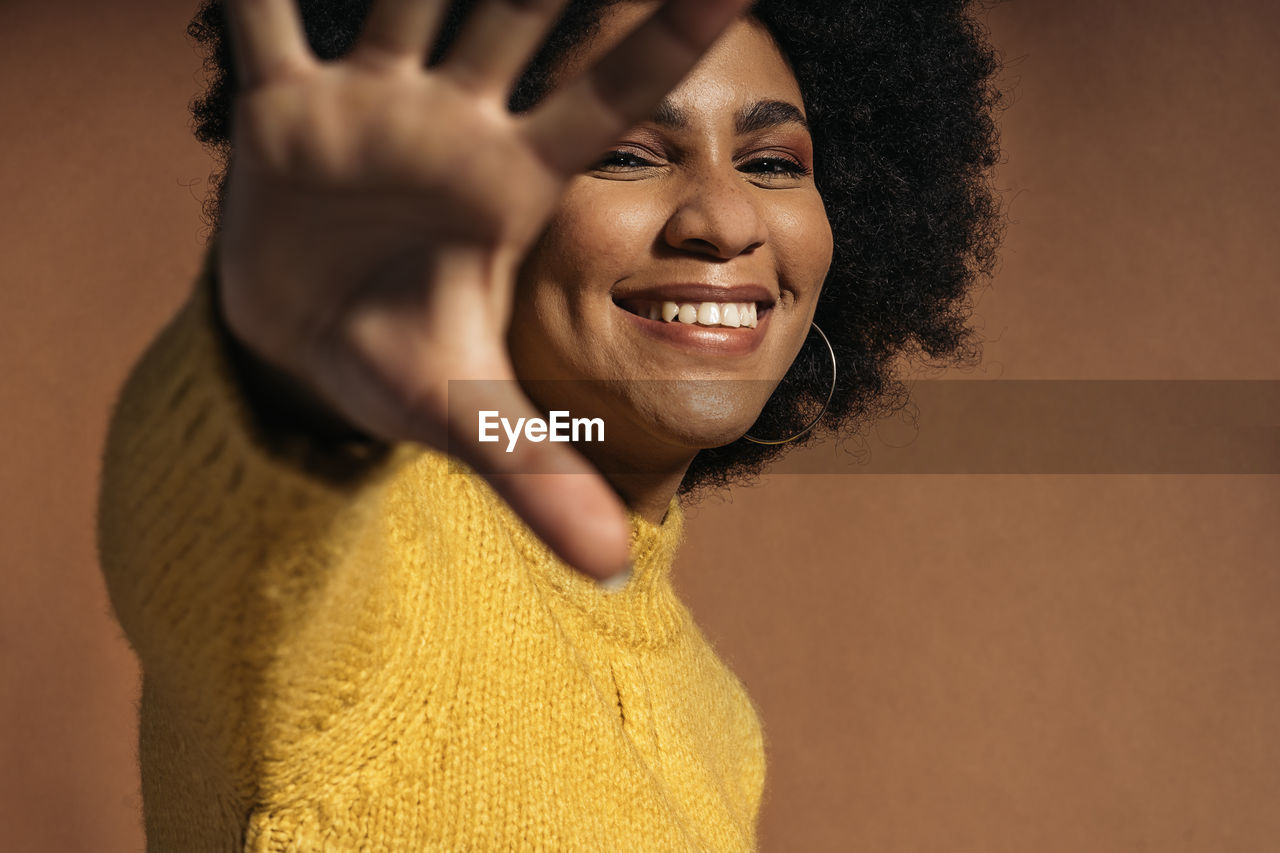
x=647 y=489
x=648 y=495
x=645 y=471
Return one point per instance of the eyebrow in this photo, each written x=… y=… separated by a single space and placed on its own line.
x=761 y=115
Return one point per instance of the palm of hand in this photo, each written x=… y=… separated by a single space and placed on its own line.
x=345 y=169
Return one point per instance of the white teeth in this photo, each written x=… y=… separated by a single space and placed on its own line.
x=732 y=315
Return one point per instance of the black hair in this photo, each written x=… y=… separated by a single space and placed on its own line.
x=901 y=100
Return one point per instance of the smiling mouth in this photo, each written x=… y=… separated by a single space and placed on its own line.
x=722 y=315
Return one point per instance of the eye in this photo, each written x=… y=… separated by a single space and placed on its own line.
x=771 y=167
x=620 y=160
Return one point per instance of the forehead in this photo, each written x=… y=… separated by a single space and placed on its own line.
x=744 y=66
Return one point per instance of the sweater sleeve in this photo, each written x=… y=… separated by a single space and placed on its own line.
x=217 y=530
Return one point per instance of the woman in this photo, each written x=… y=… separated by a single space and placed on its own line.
x=347 y=641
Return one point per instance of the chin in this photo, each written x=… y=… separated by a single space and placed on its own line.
x=652 y=420
x=705 y=414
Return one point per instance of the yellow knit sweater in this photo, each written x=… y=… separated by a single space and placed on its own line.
x=392 y=661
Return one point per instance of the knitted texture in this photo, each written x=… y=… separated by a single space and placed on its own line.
x=392 y=661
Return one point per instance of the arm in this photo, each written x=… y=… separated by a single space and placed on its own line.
x=216 y=527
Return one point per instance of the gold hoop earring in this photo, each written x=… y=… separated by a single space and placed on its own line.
x=830 y=394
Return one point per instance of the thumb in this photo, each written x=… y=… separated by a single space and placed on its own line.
x=564 y=499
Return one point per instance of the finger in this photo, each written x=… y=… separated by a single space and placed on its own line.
x=572 y=124
x=401 y=30
x=267 y=39
x=557 y=492
x=498 y=41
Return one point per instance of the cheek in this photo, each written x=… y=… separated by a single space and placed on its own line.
x=595 y=238
x=600 y=234
x=804 y=244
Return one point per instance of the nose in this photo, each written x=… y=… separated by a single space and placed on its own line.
x=716 y=215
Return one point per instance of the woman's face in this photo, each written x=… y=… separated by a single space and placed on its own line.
x=709 y=211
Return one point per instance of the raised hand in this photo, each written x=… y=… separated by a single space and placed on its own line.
x=377 y=213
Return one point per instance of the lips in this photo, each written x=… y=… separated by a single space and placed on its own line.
x=696 y=293
x=727 y=320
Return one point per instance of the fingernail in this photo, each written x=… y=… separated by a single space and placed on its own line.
x=618 y=581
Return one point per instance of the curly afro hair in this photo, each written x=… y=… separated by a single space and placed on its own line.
x=901 y=100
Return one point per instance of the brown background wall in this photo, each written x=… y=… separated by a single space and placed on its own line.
x=959 y=663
